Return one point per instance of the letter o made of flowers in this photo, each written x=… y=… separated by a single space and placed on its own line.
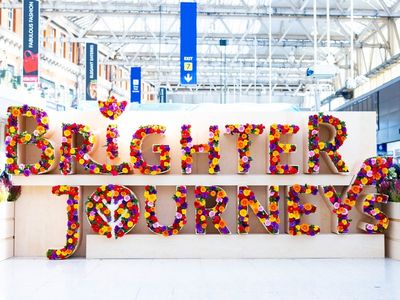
x=112 y=210
x=150 y=195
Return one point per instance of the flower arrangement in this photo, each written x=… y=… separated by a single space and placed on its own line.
x=382 y=220
x=112 y=136
x=296 y=209
x=270 y=221
x=244 y=143
x=188 y=149
x=111 y=108
x=73 y=226
x=137 y=155
x=112 y=210
x=13 y=138
x=9 y=192
x=315 y=146
x=4 y=194
x=203 y=193
x=276 y=149
x=150 y=195
x=391 y=184
x=372 y=172
x=340 y=207
x=82 y=153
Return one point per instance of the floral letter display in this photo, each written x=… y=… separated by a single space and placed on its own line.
x=73 y=224
x=13 y=138
x=196 y=200
x=118 y=216
x=315 y=146
x=112 y=141
x=341 y=208
x=295 y=210
x=203 y=193
x=244 y=143
x=111 y=108
x=150 y=195
x=246 y=198
x=188 y=149
x=373 y=171
x=137 y=155
x=82 y=154
x=369 y=209
x=276 y=148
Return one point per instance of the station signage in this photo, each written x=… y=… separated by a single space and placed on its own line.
x=136 y=84
x=188 y=54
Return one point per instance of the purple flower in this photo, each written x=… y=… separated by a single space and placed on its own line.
x=397 y=185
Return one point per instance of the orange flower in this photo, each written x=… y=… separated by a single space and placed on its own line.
x=355 y=189
x=273 y=207
x=304 y=227
x=307 y=206
x=297 y=188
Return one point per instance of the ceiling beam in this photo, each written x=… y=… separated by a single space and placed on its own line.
x=118 y=8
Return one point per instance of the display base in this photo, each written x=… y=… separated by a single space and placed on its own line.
x=237 y=246
x=6 y=230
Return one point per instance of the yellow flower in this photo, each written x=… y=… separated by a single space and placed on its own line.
x=243 y=212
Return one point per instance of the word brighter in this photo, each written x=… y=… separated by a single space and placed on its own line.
x=69 y=153
x=113 y=210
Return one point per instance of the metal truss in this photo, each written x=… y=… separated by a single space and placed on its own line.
x=146 y=33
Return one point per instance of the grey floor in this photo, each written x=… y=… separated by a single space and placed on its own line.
x=29 y=279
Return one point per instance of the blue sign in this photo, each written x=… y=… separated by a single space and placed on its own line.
x=163 y=95
x=188 y=43
x=136 y=84
x=91 y=71
x=30 y=48
x=381 y=149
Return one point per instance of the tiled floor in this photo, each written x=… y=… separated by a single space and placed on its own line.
x=190 y=279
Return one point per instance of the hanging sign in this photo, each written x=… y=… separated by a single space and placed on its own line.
x=136 y=84
x=188 y=58
x=30 y=54
x=163 y=95
x=91 y=71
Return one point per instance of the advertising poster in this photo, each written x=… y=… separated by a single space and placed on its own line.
x=30 y=43
x=91 y=71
